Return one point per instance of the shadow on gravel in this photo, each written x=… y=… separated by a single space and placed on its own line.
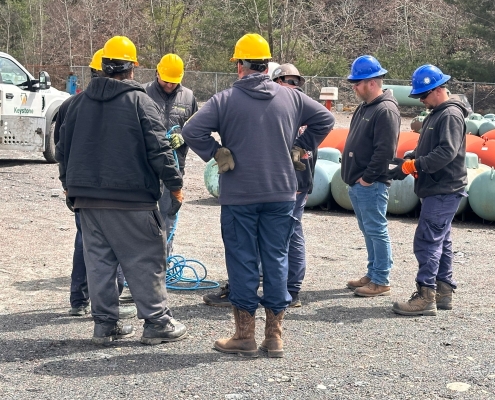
x=26 y=321
x=208 y=201
x=135 y=364
x=19 y=162
x=338 y=314
x=58 y=284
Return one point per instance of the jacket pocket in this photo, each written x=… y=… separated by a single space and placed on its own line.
x=155 y=222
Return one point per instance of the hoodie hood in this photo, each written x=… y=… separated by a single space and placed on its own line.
x=385 y=96
x=451 y=102
x=105 y=89
x=257 y=86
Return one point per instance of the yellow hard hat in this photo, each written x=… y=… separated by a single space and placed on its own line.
x=171 y=68
x=120 y=48
x=96 y=61
x=251 y=47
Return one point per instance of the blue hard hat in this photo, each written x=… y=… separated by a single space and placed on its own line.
x=365 y=67
x=425 y=78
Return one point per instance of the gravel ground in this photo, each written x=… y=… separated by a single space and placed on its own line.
x=337 y=346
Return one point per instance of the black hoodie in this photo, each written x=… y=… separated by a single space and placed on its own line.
x=372 y=140
x=441 y=151
x=113 y=147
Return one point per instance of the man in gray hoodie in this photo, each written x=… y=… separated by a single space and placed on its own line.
x=258 y=122
x=372 y=140
x=438 y=164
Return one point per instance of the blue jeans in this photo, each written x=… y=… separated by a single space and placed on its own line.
x=432 y=243
x=297 y=247
x=266 y=227
x=370 y=206
x=79 y=295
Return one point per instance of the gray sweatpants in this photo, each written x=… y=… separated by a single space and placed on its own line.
x=164 y=204
x=134 y=239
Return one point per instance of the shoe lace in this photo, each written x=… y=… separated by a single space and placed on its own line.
x=414 y=296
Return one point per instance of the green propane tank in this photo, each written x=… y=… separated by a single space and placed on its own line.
x=481 y=195
x=401 y=196
x=486 y=125
x=324 y=171
x=473 y=125
x=417 y=123
x=491 y=117
x=474 y=168
x=340 y=192
x=329 y=154
x=401 y=93
x=211 y=178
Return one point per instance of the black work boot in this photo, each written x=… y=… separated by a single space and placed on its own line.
x=172 y=331
x=220 y=299
x=106 y=332
x=296 y=302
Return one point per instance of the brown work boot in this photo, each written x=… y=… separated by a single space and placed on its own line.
x=273 y=342
x=372 y=290
x=444 y=296
x=358 y=283
x=421 y=302
x=243 y=341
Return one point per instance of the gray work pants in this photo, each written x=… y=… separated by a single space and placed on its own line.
x=134 y=239
x=165 y=204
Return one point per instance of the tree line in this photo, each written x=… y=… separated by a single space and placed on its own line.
x=321 y=37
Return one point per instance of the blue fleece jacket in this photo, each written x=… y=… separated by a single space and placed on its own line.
x=258 y=120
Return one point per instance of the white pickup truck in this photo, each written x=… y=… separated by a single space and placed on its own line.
x=28 y=109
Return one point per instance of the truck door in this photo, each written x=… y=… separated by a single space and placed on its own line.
x=22 y=124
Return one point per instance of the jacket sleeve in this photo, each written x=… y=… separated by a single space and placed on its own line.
x=198 y=129
x=385 y=137
x=319 y=122
x=159 y=152
x=451 y=134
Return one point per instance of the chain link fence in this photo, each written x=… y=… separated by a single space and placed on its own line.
x=206 y=84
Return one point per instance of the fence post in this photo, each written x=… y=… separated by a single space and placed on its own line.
x=474 y=94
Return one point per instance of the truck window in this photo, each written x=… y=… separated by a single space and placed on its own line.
x=11 y=73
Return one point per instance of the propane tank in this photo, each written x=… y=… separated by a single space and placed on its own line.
x=340 y=192
x=324 y=172
x=474 y=168
x=401 y=196
x=211 y=178
x=336 y=139
x=486 y=126
x=330 y=154
x=481 y=195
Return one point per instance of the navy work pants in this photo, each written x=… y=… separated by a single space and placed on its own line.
x=266 y=227
x=432 y=242
x=297 y=247
x=79 y=295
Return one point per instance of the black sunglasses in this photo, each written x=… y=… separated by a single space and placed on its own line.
x=293 y=82
x=421 y=96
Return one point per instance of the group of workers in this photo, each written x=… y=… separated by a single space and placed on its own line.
x=118 y=169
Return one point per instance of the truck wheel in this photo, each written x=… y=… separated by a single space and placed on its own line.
x=49 y=152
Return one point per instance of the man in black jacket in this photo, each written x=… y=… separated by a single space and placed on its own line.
x=113 y=154
x=438 y=164
x=372 y=140
x=176 y=104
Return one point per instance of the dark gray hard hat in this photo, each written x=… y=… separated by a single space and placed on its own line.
x=287 y=69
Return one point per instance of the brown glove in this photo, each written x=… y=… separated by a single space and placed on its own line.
x=224 y=160
x=296 y=154
x=177 y=199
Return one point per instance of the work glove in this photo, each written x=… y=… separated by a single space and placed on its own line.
x=408 y=167
x=224 y=160
x=296 y=153
x=176 y=140
x=395 y=169
x=177 y=198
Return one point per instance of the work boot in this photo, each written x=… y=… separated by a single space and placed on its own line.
x=172 y=331
x=106 y=332
x=444 y=296
x=126 y=312
x=273 y=342
x=358 y=283
x=80 y=310
x=220 y=299
x=243 y=341
x=422 y=302
x=372 y=290
x=126 y=296
x=295 y=300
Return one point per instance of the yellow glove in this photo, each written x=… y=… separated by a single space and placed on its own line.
x=176 y=140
